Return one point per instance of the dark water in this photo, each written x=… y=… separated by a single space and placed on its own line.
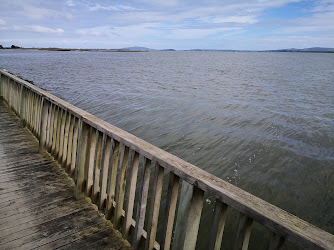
x=262 y=121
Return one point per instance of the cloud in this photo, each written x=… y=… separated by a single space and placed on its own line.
x=33 y=28
x=98 y=7
x=2 y=22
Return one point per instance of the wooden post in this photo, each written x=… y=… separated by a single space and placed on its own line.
x=218 y=224
x=141 y=209
x=62 y=136
x=43 y=124
x=66 y=136
x=193 y=219
x=121 y=185
x=173 y=188
x=182 y=211
x=130 y=194
x=74 y=146
x=91 y=163
x=104 y=172
x=112 y=179
x=96 y=184
x=243 y=232
x=82 y=159
x=276 y=242
x=155 y=207
x=22 y=106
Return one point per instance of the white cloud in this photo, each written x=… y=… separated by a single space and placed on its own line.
x=97 y=7
x=33 y=28
x=2 y=22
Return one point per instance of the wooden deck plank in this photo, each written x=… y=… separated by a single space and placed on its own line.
x=37 y=207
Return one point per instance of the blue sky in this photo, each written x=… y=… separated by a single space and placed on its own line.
x=163 y=24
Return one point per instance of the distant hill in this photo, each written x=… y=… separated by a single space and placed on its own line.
x=137 y=48
x=314 y=49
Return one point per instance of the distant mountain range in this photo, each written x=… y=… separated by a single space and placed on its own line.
x=314 y=49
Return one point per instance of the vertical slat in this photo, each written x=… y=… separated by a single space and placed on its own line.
x=66 y=135
x=104 y=172
x=97 y=168
x=51 y=122
x=112 y=180
x=141 y=209
x=62 y=135
x=243 y=232
x=124 y=160
x=54 y=133
x=60 y=118
x=173 y=189
x=218 y=224
x=155 y=207
x=276 y=242
x=193 y=219
x=48 y=128
x=74 y=146
x=130 y=194
x=44 y=121
x=70 y=145
x=82 y=160
x=22 y=106
x=90 y=171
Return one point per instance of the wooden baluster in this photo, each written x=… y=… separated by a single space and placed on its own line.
x=97 y=168
x=243 y=232
x=276 y=242
x=74 y=146
x=66 y=137
x=130 y=194
x=44 y=123
x=193 y=219
x=60 y=118
x=155 y=207
x=22 y=106
x=218 y=224
x=54 y=132
x=141 y=209
x=82 y=160
x=173 y=189
x=112 y=180
x=91 y=163
x=124 y=161
x=104 y=172
x=70 y=144
x=62 y=135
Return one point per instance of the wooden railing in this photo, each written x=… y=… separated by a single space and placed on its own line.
x=105 y=161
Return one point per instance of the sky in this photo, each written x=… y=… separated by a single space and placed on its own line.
x=166 y=24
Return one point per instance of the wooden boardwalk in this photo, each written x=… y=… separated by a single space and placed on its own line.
x=37 y=207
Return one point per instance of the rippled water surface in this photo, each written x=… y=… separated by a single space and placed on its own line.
x=262 y=121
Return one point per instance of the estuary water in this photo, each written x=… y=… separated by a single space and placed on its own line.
x=261 y=121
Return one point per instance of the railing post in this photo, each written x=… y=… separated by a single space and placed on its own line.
x=218 y=224
x=141 y=209
x=1 y=79
x=82 y=153
x=22 y=106
x=243 y=232
x=43 y=123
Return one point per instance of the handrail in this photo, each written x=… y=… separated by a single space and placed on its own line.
x=86 y=145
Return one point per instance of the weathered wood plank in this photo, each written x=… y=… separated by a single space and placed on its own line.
x=243 y=232
x=217 y=225
x=121 y=185
x=130 y=194
x=154 y=207
x=104 y=172
x=91 y=163
x=97 y=167
x=141 y=209
x=173 y=188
